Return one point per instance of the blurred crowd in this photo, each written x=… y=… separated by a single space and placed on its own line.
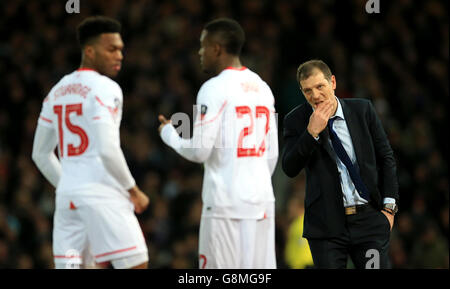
x=397 y=58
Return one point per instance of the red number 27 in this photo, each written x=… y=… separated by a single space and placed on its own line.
x=71 y=150
x=251 y=152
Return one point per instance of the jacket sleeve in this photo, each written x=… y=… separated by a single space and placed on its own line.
x=384 y=156
x=298 y=146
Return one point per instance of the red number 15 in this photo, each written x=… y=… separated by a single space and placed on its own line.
x=71 y=150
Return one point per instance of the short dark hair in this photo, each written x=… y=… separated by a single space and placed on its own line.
x=307 y=68
x=229 y=32
x=93 y=26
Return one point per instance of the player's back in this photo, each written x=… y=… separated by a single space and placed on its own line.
x=73 y=107
x=237 y=173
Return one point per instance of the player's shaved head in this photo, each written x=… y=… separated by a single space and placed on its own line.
x=94 y=26
x=228 y=33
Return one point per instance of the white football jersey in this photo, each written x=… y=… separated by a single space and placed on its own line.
x=77 y=102
x=235 y=135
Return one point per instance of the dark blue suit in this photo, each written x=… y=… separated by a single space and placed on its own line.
x=324 y=208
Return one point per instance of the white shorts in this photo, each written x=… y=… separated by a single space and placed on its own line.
x=237 y=243
x=104 y=231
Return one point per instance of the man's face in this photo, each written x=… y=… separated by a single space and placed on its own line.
x=317 y=88
x=107 y=54
x=207 y=52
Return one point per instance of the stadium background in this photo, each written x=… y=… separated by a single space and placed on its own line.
x=397 y=58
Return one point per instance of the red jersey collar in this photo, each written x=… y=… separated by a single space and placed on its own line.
x=86 y=69
x=234 y=68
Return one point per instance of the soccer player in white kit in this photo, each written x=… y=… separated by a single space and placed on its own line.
x=235 y=136
x=96 y=195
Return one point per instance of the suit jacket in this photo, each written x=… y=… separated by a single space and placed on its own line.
x=324 y=206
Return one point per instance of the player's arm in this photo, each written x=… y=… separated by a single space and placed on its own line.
x=272 y=141
x=111 y=154
x=115 y=163
x=199 y=147
x=191 y=149
x=106 y=113
x=44 y=144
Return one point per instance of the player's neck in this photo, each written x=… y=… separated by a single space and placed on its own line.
x=86 y=64
x=233 y=62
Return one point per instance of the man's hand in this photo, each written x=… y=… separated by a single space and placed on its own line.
x=319 y=118
x=139 y=199
x=163 y=121
x=389 y=217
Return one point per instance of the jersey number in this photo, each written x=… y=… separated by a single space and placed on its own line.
x=251 y=152
x=70 y=108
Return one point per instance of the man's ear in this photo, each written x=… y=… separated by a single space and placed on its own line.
x=333 y=82
x=89 y=51
x=217 y=49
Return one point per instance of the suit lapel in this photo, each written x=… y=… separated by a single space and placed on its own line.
x=352 y=124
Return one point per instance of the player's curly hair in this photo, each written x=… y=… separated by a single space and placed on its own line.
x=93 y=26
x=228 y=32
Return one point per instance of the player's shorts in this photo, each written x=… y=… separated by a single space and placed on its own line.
x=237 y=243
x=103 y=231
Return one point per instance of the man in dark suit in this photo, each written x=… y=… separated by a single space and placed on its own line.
x=351 y=185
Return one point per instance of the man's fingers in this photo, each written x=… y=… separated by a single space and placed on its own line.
x=139 y=208
x=329 y=111
x=162 y=119
x=325 y=109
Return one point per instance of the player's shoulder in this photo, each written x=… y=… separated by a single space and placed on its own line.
x=255 y=77
x=109 y=83
x=214 y=85
x=214 y=82
x=63 y=81
x=212 y=92
x=252 y=73
x=95 y=80
x=106 y=89
x=267 y=91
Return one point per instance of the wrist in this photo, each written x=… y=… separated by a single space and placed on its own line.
x=390 y=212
x=314 y=135
x=390 y=208
x=134 y=190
